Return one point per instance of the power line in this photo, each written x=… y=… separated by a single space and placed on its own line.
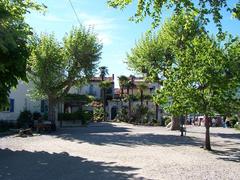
x=74 y=12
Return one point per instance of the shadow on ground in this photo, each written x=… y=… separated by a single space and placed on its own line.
x=227 y=136
x=229 y=154
x=24 y=165
x=110 y=134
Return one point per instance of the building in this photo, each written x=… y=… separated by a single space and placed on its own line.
x=90 y=89
x=116 y=104
x=20 y=100
x=151 y=87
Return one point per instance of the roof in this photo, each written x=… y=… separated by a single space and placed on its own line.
x=96 y=79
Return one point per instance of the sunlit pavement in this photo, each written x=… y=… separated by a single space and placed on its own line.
x=121 y=151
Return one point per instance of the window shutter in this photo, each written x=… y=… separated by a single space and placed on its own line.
x=11 y=105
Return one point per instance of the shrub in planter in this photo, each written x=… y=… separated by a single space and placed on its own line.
x=63 y=116
x=25 y=119
x=36 y=116
x=45 y=116
x=83 y=116
x=68 y=117
x=6 y=125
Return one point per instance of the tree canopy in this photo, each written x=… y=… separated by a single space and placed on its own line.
x=198 y=73
x=54 y=68
x=154 y=53
x=205 y=9
x=14 y=37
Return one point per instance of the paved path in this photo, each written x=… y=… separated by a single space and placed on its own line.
x=121 y=151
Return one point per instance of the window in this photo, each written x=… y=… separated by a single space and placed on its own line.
x=11 y=105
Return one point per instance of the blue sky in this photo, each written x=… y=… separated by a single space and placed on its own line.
x=117 y=34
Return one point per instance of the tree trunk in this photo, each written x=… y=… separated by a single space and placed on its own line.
x=157 y=108
x=175 y=123
x=51 y=111
x=129 y=109
x=121 y=92
x=141 y=98
x=104 y=104
x=121 y=97
x=207 y=145
x=129 y=104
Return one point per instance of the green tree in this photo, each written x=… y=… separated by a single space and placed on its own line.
x=54 y=69
x=142 y=87
x=104 y=85
x=198 y=76
x=132 y=82
x=125 y=83
x=46 y=71
x=201 y=8
x=154 y=54
x=103 y=72
x=204 y=82
x=14 y=36
x=128 y=85
x=123 y=80
x=232 y=57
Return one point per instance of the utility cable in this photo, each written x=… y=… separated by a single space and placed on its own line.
x=74 y=12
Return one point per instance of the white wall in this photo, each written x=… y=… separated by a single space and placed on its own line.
x=21 y=102
x=86 y=89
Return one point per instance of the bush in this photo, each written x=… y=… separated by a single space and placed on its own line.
x=64 y=116
x=87 y=116
x=6 y=125
x=237 y=126
x=122 y=114
x=98 y=114
x=84 y=116
x=138 y=114
x=36 y=116
x=233 y=120
x=25 y=119
x=45 y=116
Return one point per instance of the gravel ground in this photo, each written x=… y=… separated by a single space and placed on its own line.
x=121 y=151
